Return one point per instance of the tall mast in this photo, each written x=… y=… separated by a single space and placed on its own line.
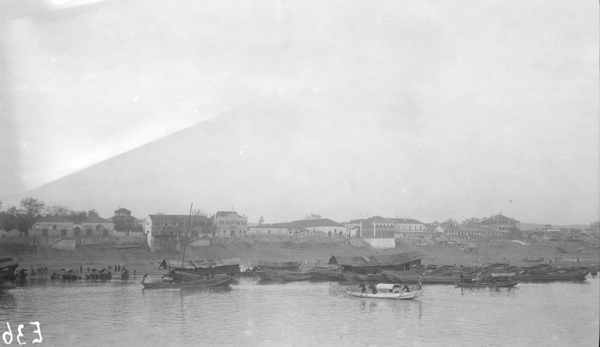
x=186 y=234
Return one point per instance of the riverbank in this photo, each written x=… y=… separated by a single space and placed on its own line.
x=309 y=252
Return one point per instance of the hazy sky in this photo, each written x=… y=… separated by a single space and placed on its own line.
x=495 y=102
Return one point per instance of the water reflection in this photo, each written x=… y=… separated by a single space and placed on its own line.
x=7 y=301
x=114 y=313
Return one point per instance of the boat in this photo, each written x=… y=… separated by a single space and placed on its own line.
x=351 y=277
x=65 y=275
x=388 y=291
x=533 y=260
x=326 y=274
x=572 y=275
x=179 y=278
x=296 y=276
x=380 y=278
x=187 y=282
x=8 y=267
x=486 y=284
x=412 y=277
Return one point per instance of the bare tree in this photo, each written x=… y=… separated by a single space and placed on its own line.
x=261 y=220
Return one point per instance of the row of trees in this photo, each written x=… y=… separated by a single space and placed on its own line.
x=31 y=210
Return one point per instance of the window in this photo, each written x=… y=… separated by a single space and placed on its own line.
x=44 y=232
x=54 y=227
x=63 y=232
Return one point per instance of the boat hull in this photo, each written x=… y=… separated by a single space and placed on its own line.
x=486 y=285
x=571 y=276
x=389 y=296
x=194 y=284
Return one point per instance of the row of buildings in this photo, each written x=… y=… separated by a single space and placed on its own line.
x=165 y=232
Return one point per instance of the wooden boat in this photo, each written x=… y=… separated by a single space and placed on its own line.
x=187 y=282
x=411 y=277
x=388 y=291
x=533 y=260
x=7 y=285
x=296 y=276
x=486 y=284
x=380 y=278
x=8 y=267
x=577 y=275
x=351 y=277
x=364 y=278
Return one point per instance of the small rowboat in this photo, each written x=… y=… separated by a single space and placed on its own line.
x=388 y=291
x=486 y=284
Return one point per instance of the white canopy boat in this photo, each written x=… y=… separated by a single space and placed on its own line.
x=389 y=291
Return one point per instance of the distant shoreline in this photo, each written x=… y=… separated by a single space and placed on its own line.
x=309 y=253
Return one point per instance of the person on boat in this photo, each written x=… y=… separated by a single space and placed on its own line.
x=462 y=277
x=363 y=287
x=373 y=289
x=405 y=288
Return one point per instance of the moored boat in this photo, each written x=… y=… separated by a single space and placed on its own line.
x=486 y=284
x=8 y=267
x=388 y=291
x=187 y=282
x=295 y=276
x=533 y=260
x=574 y=275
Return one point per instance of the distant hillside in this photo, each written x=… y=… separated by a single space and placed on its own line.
x=261 y=158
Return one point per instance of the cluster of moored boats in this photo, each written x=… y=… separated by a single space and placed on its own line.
x=385 y=284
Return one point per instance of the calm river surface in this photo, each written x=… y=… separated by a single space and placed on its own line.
x=120 y=313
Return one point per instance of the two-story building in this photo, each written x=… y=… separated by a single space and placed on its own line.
x=52 y=226
x=501 y=223
x=270 y=230
x=163 y=232
x=407 y=228
x=230 y=224
x=94 y=226
x=377 y=227
x=321 y=227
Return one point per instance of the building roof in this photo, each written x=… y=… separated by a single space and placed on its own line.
x=96 y=219
x=53 y=219
x=225 y=214
x=175 y=218
x=405 y=221
x=375 y=260
x=377 y=220
x=313 y=223
x=122 y=210
x=499 y=219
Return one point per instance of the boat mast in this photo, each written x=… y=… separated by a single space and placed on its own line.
x=186 y=234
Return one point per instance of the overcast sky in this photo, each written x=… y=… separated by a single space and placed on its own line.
x=499 y=98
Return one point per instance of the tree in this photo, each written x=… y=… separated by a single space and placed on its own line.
x=593 y=225
x=93 y=213
x=451 y=221
x=0 y=205
x=198 y=213
x=28 y=214
x=261 y=220
x=313 y=216
x=57 y=210
x=471 y=221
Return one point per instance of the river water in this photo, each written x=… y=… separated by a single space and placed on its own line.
x=120 y=313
